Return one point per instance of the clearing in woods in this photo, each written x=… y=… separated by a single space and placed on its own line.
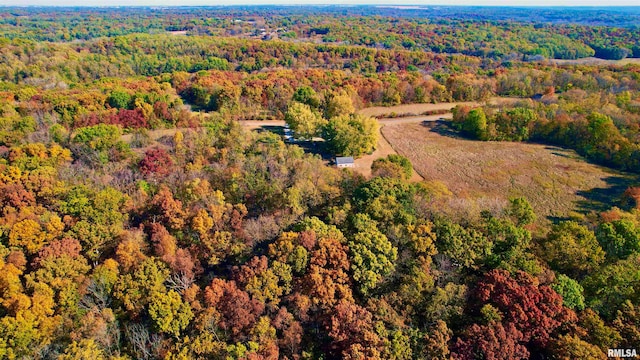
x=555 y=181
x=595 y=61
x=405 y=110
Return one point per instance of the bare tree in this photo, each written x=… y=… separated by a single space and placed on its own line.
x=143 y=344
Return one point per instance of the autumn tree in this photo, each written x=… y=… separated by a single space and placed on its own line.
x=372 y=254
x=351 y=329
x=156 y=162
x=265 y=282
x=351 y=135
x=627 y=324
x=291 y=332
x=534 y=310
x=437 y=342
x=569 y=347
x=305 y=123
x=238 y=312
x=170 y=314
x=288 y=249
x=572 y=249
x=494 y=341
x=327 y=279
x=594 y=330
x=136 y=290
x=610 y=286
x=393 y=165
x=339 y=104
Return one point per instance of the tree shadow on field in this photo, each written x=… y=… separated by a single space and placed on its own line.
x=278 y=130
x=602 y=199
x=565 y=153
x=443 y=127
x=316 y=146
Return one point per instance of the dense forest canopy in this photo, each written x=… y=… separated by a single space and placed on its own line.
x=142 y=217
x=549 y=33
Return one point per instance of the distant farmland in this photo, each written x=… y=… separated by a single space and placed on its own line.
x=556 y=181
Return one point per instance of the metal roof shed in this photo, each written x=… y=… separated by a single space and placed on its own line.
x=344 y=161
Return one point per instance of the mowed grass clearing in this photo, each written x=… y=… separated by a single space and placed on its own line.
x=420 y=109
x=556 y=181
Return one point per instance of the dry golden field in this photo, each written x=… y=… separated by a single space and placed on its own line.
x=555 y=181
x=596 y=61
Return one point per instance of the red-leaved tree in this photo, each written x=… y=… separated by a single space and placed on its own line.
x=490 y=342
x=535 y=310
x=156 y=161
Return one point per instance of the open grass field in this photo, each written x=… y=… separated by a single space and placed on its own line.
x=596 y=61
x=556 y=181
x=411 y=109
x=420 y=109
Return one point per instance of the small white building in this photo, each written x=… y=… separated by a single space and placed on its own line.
x=344 y=162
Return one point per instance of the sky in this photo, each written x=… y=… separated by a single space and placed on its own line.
x=313 y=2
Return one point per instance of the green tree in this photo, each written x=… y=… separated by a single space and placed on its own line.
x=98 y=137
x=475 y=124
x=513 y=124
x=351 y=135
x=170 y=314
x=572 y=249
x=570 y=290
x=372 y=254
x=119 y=99
x=619 y=238
x=393 y=165
x=303 y=120
x=339 y=104
x=99 y=144
x=446 y=303
x=608 y=288
x=510 y=247
x=466 y=247
x=521 y=211
x=387 y=200
x=306 y=95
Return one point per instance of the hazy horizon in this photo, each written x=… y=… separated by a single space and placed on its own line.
x=176 y=3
